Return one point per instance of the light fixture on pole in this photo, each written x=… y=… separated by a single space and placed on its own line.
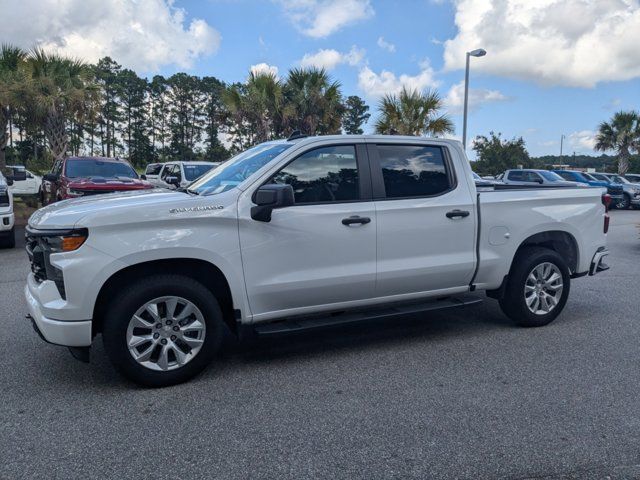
x=479 y=52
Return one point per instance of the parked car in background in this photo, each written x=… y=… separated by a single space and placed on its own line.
x=302 y=233
x=181 y=174
x=629 y=191
x=152 y=172
x=632 y=177
x=615 y=191
x=24 y=182
x=483 y=181
x=532 y=176
x=80 y=176
x=7 y=218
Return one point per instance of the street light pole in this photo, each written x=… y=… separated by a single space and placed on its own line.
x=474 y=53
x=562 y=137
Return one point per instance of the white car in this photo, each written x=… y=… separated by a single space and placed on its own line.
x=296 y=234
x=180 y=174
x=7 y=217
x=152 y=172
x=25 y=182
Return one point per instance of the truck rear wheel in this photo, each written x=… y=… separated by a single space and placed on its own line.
x=537 y=287
x=162 y=330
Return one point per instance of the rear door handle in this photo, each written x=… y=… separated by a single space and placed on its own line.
x=355 y=220
x=457 y=214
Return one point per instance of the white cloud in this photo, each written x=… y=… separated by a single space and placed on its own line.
x=141 y=34
x=582 y=140
x=386 y=82
x=389 y=47
x=330 y=59
x=554 y=42
x=321 y=18
x=454 y=101
x=264 y=68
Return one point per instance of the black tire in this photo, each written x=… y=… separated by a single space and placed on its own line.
x=513 y=303
x=8 y=240
x=134 y=295
x=625 y=203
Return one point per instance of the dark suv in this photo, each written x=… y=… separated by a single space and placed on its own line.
x=79 y=176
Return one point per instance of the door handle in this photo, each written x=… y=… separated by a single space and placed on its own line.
x=355 y=220
x=457 y=214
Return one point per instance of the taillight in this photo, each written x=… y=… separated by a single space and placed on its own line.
x=606 y=223
x=606 y=201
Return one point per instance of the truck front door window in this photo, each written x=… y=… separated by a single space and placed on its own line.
x=328 y=174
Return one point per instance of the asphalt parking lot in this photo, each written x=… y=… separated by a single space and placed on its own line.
x=460 y=394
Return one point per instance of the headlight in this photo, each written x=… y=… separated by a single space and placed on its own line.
x=60 y=241
x=76 y=193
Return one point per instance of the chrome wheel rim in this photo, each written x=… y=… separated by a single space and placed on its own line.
x=543 y=288
x=166 y=333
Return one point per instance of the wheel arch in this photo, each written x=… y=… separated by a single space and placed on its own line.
x=560 y=241
x=205 y=272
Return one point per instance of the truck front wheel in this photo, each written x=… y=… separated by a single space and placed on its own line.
x=537 y=287
x=162 y=330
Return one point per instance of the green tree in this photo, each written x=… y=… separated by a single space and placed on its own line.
x=58 y=88
x=313 y=102
x=106 y=74
x=621 y=134
x=215 y=114
x=412 y=113
x=11 y=60
x=495 y=155
x=133 y=92
x=186 y=115
x=355 y=115
x=158 y=121
x=255 y=108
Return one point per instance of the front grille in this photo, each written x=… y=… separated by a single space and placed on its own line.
x=39 y=251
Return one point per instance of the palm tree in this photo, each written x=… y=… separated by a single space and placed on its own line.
x=256 y=106
x=621 y=134
x=412 y=113
x=313 y=102
x=59 y=89
x=11 y=60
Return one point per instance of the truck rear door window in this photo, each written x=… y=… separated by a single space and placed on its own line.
x=413 y=170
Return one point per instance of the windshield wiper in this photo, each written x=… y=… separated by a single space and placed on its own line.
x=187 y=190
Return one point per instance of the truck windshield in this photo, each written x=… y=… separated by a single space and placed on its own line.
x=87 y=168
x=237 y=169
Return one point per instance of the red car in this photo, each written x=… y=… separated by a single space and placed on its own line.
x=79 y=176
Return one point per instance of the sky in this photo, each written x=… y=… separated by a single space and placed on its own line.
x=553 y=67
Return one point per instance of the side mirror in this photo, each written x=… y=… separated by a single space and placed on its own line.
x=143 y=177
x=269 y=197
x=175 y=181
x=9 y=181
x=540 y=181
x=50 y=177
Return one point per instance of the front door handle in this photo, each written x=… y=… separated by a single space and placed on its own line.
x=457 y=214
x=355 y=220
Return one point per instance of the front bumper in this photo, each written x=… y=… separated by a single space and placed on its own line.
x=66 y=333
x=597 y=264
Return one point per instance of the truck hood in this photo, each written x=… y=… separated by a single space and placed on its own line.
x=68 y=213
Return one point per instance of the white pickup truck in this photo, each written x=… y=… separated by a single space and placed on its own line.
x=301 y=233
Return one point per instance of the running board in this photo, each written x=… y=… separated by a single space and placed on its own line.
x=346 y=317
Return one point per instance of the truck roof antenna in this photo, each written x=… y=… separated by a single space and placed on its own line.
x=295 y=135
